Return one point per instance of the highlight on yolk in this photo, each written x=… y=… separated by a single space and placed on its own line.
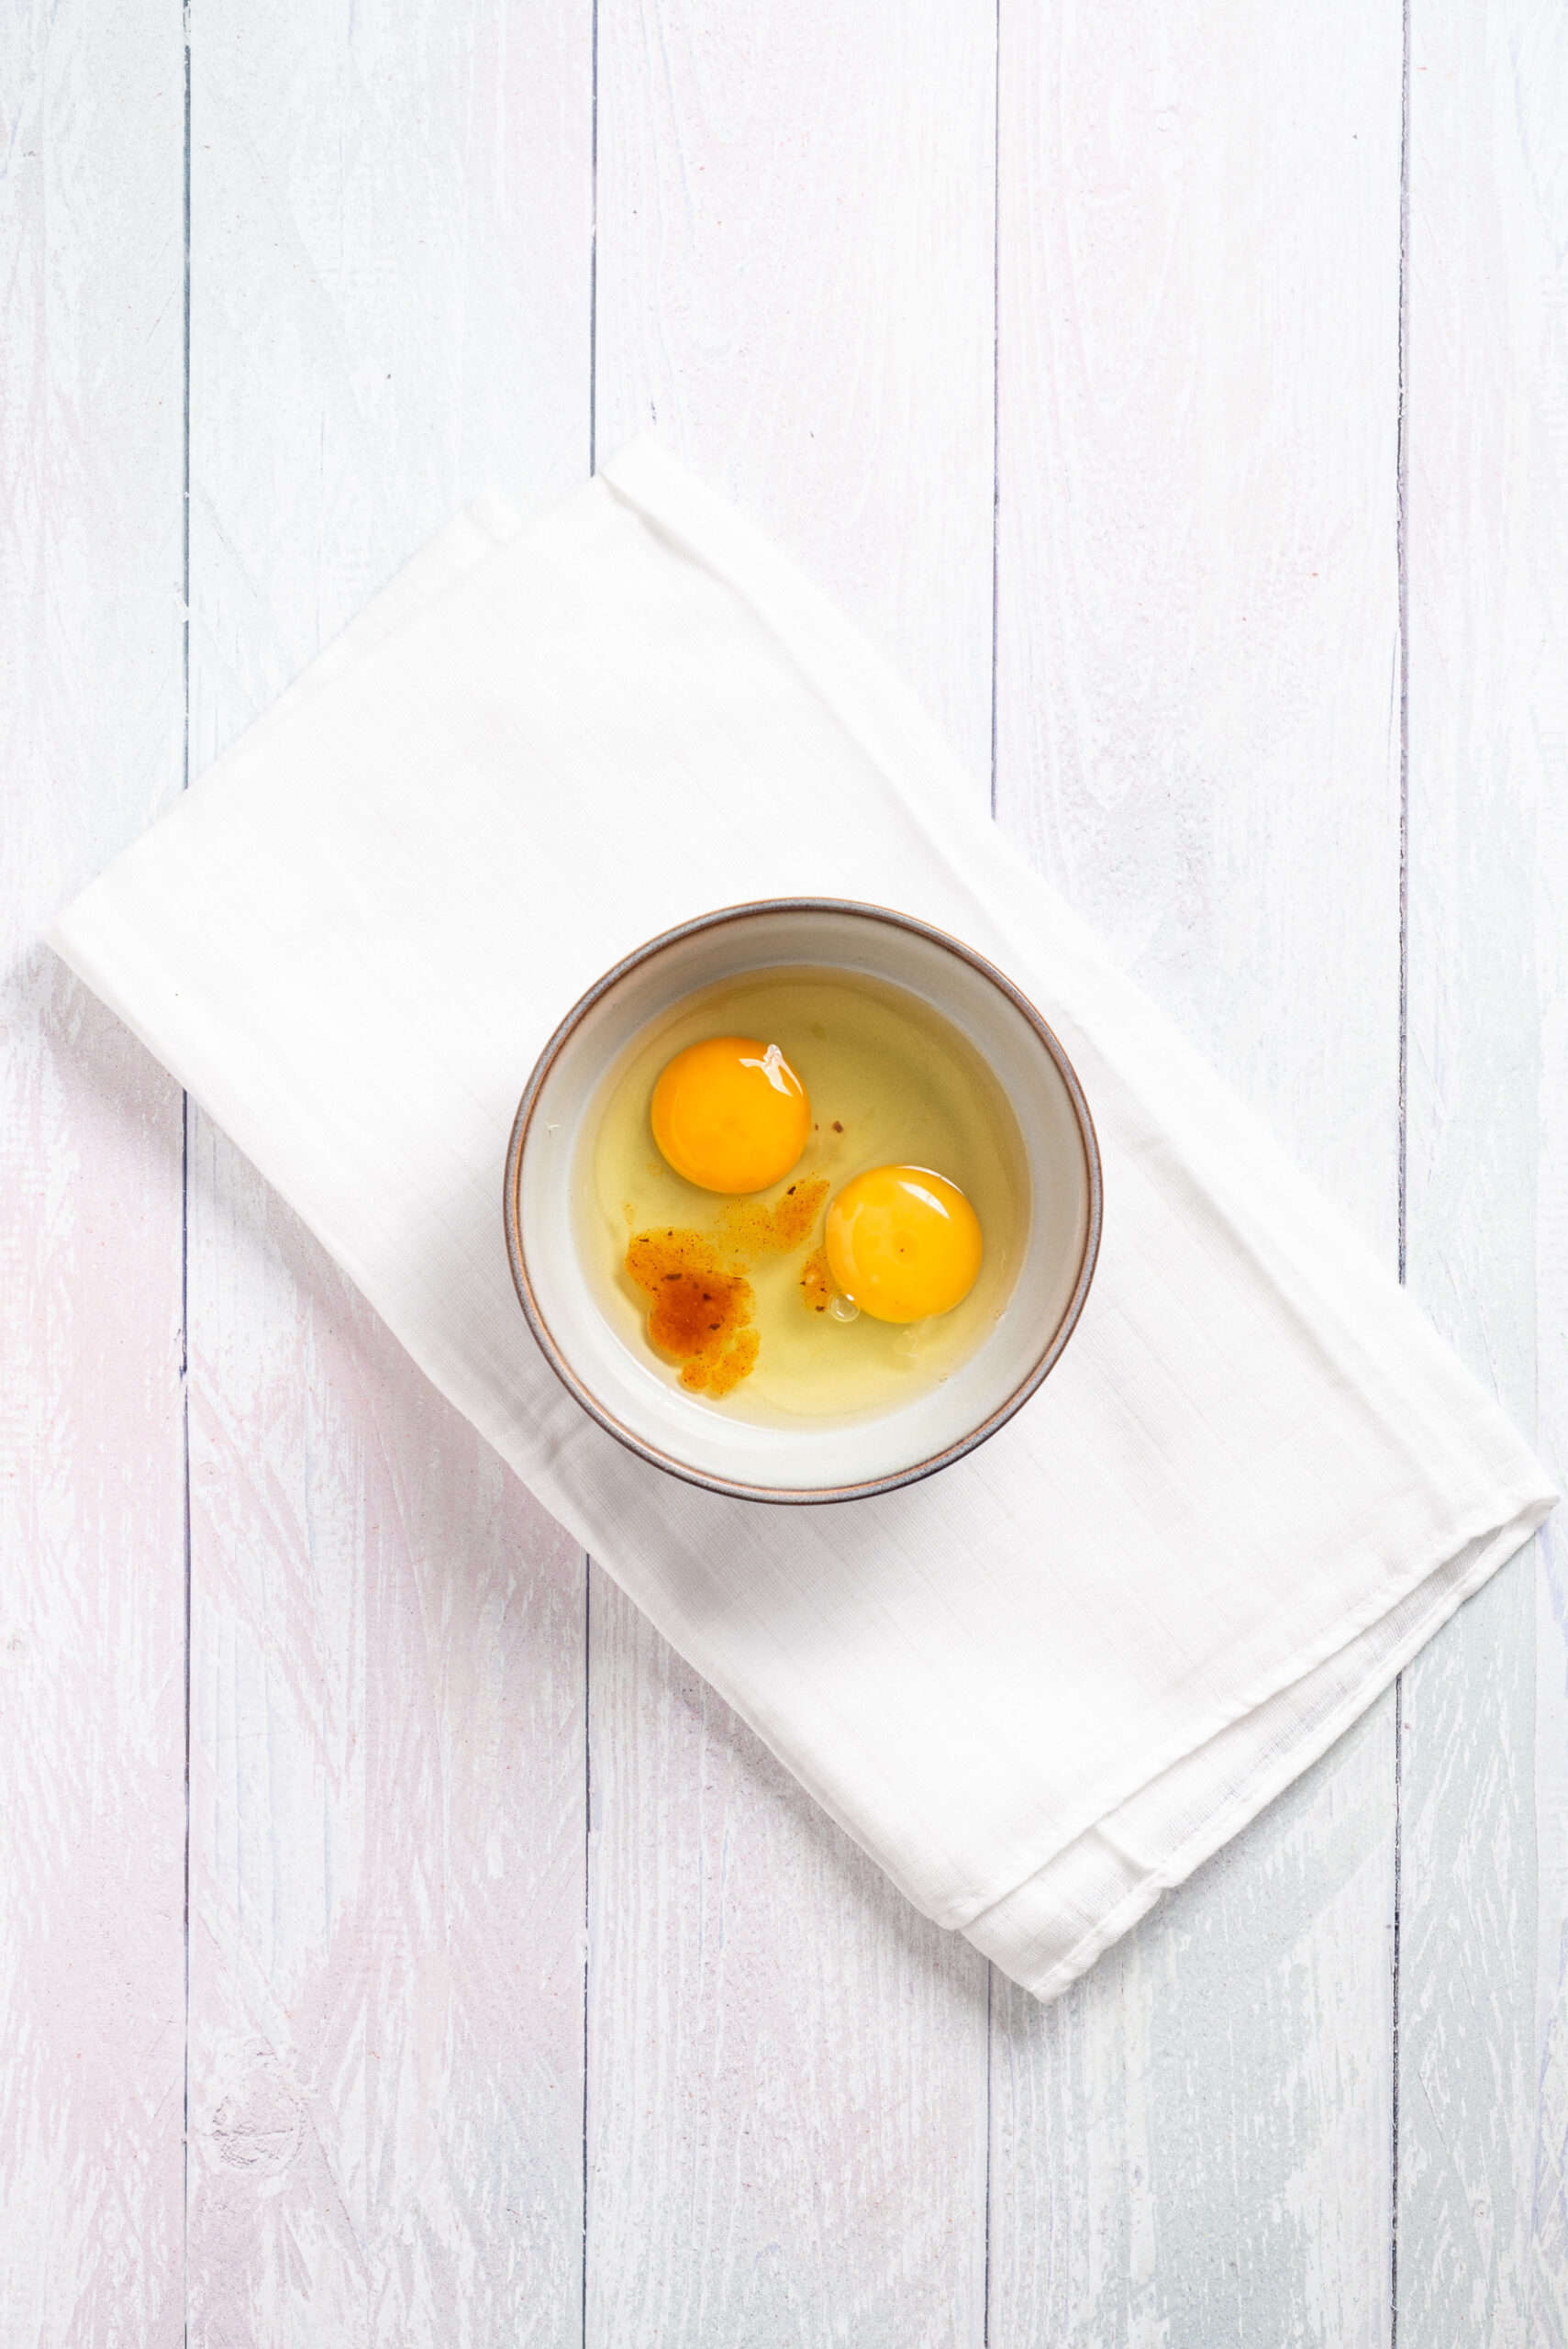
x=902 y=1243
x=730 y=1114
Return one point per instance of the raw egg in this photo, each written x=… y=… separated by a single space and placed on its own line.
x=902 y=1242
x=727 y=1295
x=730 y=1114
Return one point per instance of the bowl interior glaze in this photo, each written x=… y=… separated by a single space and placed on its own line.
x=817 y=1460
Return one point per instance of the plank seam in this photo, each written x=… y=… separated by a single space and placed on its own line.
x=1402 y=635
x=587 y=1883
x=986 y=2285
x=594 y=240
x=185 y=1198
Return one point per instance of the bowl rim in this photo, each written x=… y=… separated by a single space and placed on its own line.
x=795 y=1495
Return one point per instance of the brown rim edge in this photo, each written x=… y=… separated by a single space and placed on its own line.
x=785 y=1494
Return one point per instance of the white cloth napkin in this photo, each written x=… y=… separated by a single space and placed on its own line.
x=1044 y=1685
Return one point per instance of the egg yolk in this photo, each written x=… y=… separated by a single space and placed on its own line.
x=730 y=1114
x=902 y=1243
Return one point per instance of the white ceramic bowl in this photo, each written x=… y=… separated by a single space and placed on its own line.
x=817 y=1460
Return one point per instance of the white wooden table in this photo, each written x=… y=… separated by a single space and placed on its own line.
x=397 y=1944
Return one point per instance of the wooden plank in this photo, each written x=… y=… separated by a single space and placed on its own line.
x=1483 y=2051
x=794 y=285
x=787 y=2094
x=91 y=1584
x=390 y=269
x=386 y=1828
x=1548 y=892
x=1197 y=740
x=786 y=2064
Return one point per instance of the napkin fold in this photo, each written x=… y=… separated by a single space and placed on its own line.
x=1041 y=1686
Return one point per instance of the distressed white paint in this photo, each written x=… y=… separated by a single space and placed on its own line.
x=387 y=1827
x=795 y=282
x=787 y=2077
x=786 y=2084
x=92 y=1575
x=787 y=2070
x=1483 y=2050
x=391 y=211
x=1196 y=738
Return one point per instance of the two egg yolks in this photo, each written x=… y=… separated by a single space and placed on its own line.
x=730 y=1115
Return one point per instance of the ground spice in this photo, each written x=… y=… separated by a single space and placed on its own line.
x=700 y=1303
x=762 y=1231
x=815 y=1282
x=699 y=1311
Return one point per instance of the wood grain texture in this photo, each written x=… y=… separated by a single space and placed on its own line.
x=391 y=228
x=1484 y=1989
x=1197 y=741
x=91 y=1576
x=1548 y=433
x=786 y=2093
x=786 y=2081
x=777 y=2092
x=795 y=283
x=387 y=1830
x=1164 y=2136
x=390 y=268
